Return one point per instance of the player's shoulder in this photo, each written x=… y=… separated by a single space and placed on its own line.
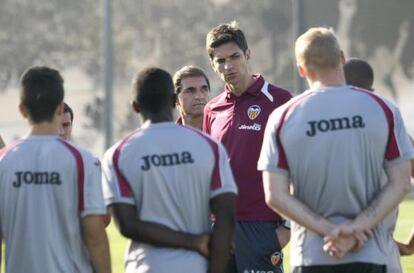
x=216 y=101
x=7 y=148
x=275 y=95
x=279 y=91
x=78 y=152
x=289 y=106
x=380 y=99
x=201 y=136
x=122 y=144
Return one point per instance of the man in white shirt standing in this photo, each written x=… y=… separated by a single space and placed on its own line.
x=51 y=202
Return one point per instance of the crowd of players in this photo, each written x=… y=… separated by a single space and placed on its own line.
x=214 y=191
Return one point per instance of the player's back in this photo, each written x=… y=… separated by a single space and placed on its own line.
x=338 y=140
x=170 y=172
x=40 y=202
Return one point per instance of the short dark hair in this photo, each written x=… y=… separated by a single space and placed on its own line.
x=223 y=34
x=359 y=73
x=154 y=90
x=67 y=109
x=41 y=92
x=188 y=71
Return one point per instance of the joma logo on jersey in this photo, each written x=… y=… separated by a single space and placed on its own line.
x=253 y=111
x=334 y=124
x=36 y=178
x=166 y=160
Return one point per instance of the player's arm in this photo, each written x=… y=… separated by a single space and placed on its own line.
x=223 y=209
x=153 y=233
x=96 y=241
x=389 y=197
x=278 y=198
x=407 y=249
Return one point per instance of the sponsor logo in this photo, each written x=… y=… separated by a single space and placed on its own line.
x=254 y=127
x=36 y=178
x=253 y=111
x=166 y=160
x=334 y=124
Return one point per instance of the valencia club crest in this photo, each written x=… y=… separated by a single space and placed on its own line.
x=253 y=111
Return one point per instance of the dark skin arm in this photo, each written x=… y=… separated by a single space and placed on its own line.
x=408 y=248
x=223 y=208
x=155 y=234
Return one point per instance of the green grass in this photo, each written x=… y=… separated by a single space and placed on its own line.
x=404 y=225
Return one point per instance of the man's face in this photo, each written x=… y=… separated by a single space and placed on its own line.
x=66 y=131
x=230 y=63
x=193 y=96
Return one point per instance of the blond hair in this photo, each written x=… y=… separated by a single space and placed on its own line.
x=318 y=50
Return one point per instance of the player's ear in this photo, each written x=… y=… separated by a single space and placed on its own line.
x=248 y=53
x=301 y=71
x=211 y=60
x=23 y=111
x=135 y=106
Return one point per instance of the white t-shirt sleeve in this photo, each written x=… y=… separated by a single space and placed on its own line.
x=270 y=154
x=222 y=178
x=399 y=147
x=115 y=189
x=92 y=188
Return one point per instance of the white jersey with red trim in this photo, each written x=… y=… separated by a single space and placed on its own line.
x=46 y=186
x=334 y=144
x=170 y=173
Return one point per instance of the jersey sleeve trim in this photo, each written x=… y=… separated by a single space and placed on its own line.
x=216 y=182
x=124 y=187
x=392 y=151
x=282 y=162
x=81 y=173
x=9 y=147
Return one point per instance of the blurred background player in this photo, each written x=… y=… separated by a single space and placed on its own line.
x=359 y=73
x=317 y=144
x=237 y=117
x=192 y=88
x=51 y=201
x=67 y=122
x=164 y=203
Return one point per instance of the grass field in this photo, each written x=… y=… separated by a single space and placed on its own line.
x=404 y=225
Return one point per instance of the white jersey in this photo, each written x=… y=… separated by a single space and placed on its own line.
x=334 y=144
x=169 y=172
x=46 y=186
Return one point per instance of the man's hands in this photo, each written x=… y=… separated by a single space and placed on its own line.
x=345 y=238
x=201 y=244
